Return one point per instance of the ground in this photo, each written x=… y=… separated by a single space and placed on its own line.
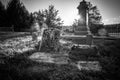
x=20 y=55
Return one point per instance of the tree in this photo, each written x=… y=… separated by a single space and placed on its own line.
x=2 y=14
x=94 y=14
x=17 y=15
x=39 y=16
x=49 y=16
x=95 y=18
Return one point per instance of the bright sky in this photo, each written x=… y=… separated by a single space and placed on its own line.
x=109 y=9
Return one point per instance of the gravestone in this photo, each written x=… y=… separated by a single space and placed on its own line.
x=82 y=29
x=82 y=34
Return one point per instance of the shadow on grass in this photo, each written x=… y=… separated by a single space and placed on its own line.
x=22 y=68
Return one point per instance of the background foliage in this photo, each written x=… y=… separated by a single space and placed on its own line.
x=15 y=15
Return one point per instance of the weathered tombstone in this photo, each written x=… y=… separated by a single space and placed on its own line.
x=81 y=29
x=40 y=37
x=35 y=31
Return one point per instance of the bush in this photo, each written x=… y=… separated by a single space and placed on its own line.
x=51 y=40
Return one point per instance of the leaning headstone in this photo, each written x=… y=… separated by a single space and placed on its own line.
x=35 y=31
x=40 y=36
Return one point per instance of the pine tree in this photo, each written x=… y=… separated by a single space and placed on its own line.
x=52 y=18
x=95 y=19
x=2 y=15
x=17 y=15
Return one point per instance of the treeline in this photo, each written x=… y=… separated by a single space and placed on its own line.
x=15 y=15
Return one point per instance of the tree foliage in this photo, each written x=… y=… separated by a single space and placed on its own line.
x=95 y=19
x=2 y=14
x=94 y=14
x=18 y=16
x=15 y=15
x=49 y=16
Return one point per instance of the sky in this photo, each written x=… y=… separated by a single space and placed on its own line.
x=109 y=9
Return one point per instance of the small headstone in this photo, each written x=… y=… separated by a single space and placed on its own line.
x=89 y=65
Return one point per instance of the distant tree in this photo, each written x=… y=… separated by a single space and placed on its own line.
x=2 y=8
x=31 y=19
x=2 y=14
x=94 y=14
x=17 y=15
x=75 y=23
x=52 y=18
x=39 y=16
x=49 y=16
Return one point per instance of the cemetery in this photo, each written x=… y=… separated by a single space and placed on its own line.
x=49 y=53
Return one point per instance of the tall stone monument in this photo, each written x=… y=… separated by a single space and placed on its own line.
x=82 y=28
x=82 y=34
